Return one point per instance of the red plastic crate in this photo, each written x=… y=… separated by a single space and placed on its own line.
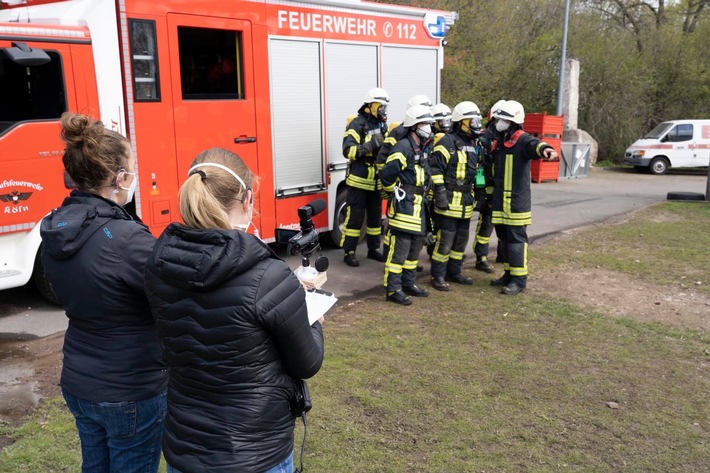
x=549 y=129
x=544 y=170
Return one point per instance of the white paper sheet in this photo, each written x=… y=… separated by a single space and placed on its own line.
x=318 y=303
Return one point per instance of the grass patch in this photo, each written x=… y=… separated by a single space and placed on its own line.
x=472 y=381
x=667 y=244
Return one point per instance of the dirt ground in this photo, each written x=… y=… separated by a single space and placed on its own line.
x=608 y=292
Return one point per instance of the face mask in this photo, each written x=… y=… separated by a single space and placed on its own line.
x=424 y=131
x=244 y=227
x=131 y=189
x=502 y=125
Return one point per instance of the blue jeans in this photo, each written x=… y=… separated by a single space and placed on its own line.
x=119 y=437
x=285 y=466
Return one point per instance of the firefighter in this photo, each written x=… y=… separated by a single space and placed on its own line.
x=453 y=165
x=484 y=193
x=362 y=141
x=442 y=125
x=404 y=176
x=511 y=153
x=398 y=132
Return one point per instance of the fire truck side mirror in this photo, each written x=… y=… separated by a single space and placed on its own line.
x=23 y=55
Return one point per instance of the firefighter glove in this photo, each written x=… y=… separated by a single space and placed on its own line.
x=429 y=239
x=440 y=200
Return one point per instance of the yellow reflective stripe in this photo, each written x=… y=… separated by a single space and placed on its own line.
x=515 y=220
x=390 y=140
x=405 y=226
x=506 y=267
x=439 y=258
x=374 y=231
x=461 y=165
x=410 y=264
x=507 y=183
x=421 y=178
x=437 y=178
x=456 y=255
x=521 y=271
x=351 y=232
x=538 y=150
x=353 y=133
x=397 y=157
x=456 y=212
x=443 y=150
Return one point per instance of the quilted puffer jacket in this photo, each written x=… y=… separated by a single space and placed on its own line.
x=233 y=322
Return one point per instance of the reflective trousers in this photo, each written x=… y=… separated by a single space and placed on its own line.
x=451 y=241
x=484 y=229
x=513 y=251
x=402 y=259
x=359 y=204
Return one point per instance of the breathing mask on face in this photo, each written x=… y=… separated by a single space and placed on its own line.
x=379 y=111
x=424 y=131
x=502 y=125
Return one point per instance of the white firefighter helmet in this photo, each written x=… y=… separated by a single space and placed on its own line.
x=465 y=110
x=495 y=107
x=418 y=114
x=511 y=111
x=441 y=111
x=377 y=94
x=419 y=99
x=442 y=114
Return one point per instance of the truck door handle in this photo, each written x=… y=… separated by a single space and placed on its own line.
x=245 y=139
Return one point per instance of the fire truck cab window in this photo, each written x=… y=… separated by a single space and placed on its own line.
x=31 y=92
x=210 y=64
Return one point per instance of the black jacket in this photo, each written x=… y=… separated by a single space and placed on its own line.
x=361 y=167
x=233 y=320
x=94 y=254
x=406 y=168
x=512 y=199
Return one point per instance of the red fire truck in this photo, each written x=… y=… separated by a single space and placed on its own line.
x=272 y=80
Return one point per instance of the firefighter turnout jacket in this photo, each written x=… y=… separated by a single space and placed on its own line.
x=511 y=177
x=404 y=176
x=453 y=164
x=393 y=136
x=361 y=167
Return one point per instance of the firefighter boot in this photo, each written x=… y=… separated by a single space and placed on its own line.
x=376 y=255
x=482 y=264
x=350 y=259
x=399 y=297
x=439 y=284
x=459 y=279
x=415 y=291
x=512 y=289
x=501 y=281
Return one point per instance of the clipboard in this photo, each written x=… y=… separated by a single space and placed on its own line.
x=318 y=302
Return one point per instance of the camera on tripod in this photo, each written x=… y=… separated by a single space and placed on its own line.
x=306 y=243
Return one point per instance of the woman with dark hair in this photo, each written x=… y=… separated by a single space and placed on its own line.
x=114 y=377
x=233 y=320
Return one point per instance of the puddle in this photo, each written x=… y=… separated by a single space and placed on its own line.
x=17 y=395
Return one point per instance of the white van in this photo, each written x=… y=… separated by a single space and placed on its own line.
x=675 y=143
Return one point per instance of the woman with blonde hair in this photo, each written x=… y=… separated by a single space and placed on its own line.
x=114 y=378
x=233 y=320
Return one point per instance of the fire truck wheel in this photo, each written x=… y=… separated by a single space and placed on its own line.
x=41 y=281
x=336 y=234
x=685 y=196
